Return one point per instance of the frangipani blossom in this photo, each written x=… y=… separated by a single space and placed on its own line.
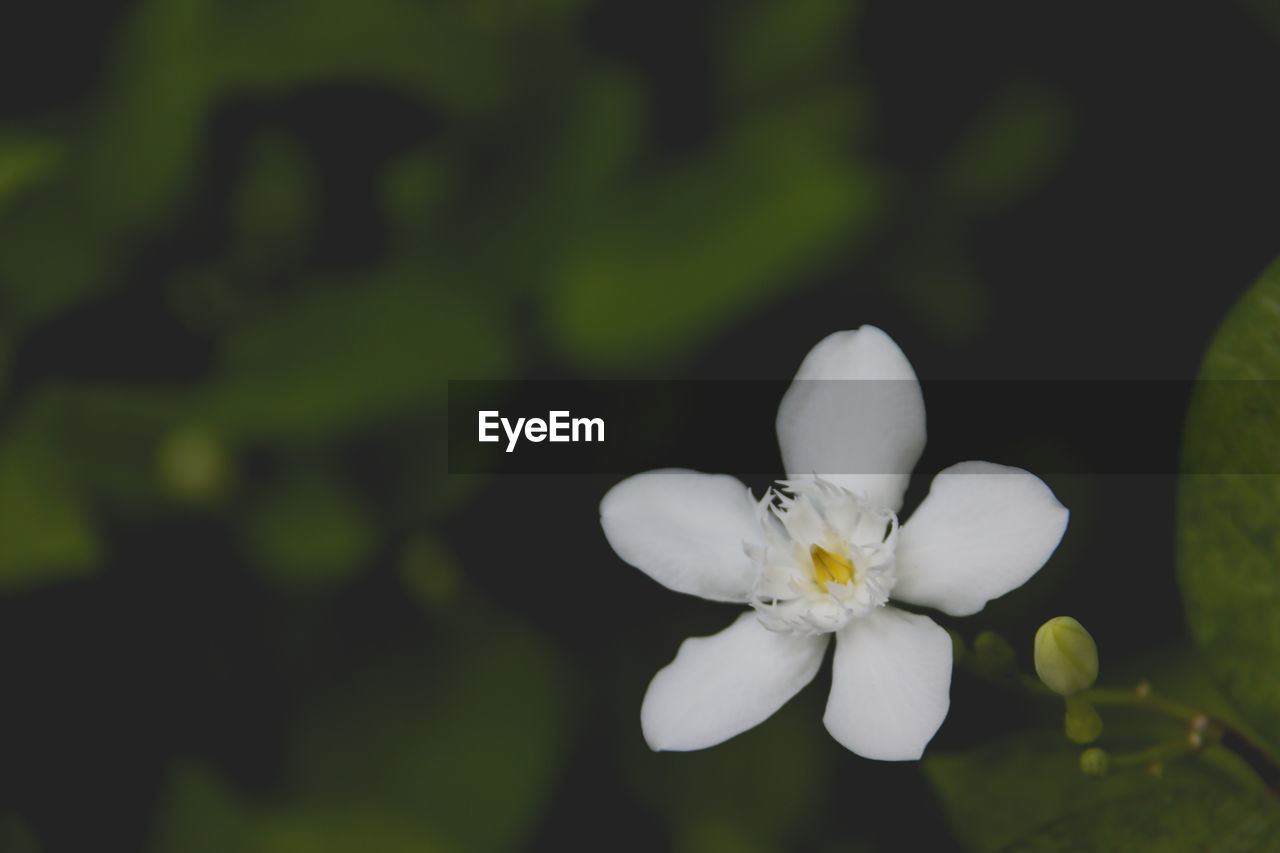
x=823 y=554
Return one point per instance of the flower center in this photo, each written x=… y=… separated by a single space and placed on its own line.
x=826 y=557
x=830 y=568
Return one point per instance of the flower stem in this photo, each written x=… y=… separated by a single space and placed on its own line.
x=1212 y=728
x=1143 y=697
x=1154 y=757
x=1205 y=729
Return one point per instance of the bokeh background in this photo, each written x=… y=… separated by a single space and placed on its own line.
x=243 y=245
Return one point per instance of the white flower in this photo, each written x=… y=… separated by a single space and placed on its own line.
x=823 y=553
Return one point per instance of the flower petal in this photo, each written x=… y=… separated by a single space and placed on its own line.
x=722 y=685
x=865 y=436
x=983 y=530
x=890 y=684
x=686 y=530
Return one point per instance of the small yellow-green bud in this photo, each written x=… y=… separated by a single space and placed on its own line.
x=194 y=465
x=1095 y=762
x=1082 y=722
x=1066 y=657
x=994 y=654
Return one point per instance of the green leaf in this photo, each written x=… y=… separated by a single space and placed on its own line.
x=1009 y=791
x=145 y=144
x=24 y=162
x=1168 y=821
x=1228 y=551
x=45 y=530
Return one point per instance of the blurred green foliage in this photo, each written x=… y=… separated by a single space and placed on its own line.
x=756 y=792
x=25 y=162
x=337 y=358
x=16 y=836
x=420 y=754
x=691 y=252
x=535 y=205
x=1013 y=144
x=1011 y=148
x=309 y=530
x=632 y=257
x=46 y=529
x=534 y=215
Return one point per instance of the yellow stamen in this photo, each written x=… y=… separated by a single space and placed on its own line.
x=828 y=567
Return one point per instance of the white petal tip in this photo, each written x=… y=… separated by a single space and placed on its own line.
x=720 y=686
x=982 y=531
x=890 y=685
x=879 y=752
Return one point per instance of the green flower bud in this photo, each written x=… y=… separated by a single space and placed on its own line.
x=1066 y=657
x=1082 y=722
x=1095 y=762
x=994 y=654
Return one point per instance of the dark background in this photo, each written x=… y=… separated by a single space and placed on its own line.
x=243 y=246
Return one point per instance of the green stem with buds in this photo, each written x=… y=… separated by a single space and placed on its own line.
x=1203 y=729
